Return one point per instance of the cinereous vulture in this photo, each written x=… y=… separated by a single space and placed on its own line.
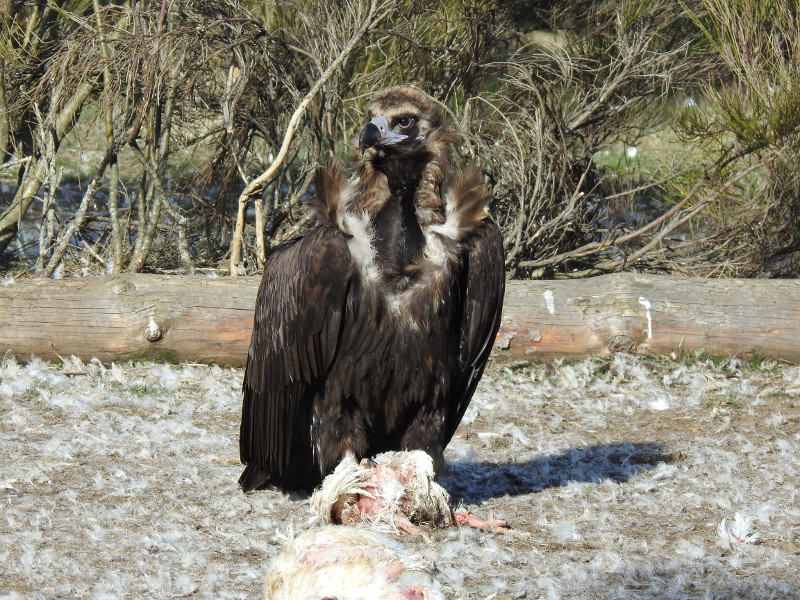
x=373 y=328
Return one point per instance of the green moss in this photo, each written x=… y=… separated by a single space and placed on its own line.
x=501 y=443
x=144 y=389
x=729 y=400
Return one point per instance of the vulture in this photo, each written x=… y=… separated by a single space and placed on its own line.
x=373 y=328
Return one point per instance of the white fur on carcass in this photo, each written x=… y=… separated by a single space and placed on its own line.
x=399 y=483
x=348 y=563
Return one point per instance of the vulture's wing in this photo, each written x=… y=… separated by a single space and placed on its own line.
x=298 y=319
x=482 y=288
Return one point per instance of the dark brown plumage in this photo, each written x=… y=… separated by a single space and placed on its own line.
x=372 y=329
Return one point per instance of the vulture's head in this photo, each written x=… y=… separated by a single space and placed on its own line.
x=403 y=161
x=402 y=119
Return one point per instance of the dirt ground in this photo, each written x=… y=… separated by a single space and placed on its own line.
x=637 y=477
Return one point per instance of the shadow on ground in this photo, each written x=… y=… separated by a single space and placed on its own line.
x=474 y=482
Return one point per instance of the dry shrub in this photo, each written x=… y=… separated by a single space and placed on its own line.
x=208 y=88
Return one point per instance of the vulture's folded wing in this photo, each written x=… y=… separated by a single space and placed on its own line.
x=298 y=320
x=482 y=285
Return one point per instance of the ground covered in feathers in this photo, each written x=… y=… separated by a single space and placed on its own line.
x=636 y=477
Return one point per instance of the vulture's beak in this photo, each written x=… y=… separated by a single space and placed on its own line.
x=377 y=132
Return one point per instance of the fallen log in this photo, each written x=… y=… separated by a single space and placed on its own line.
x=208 y=320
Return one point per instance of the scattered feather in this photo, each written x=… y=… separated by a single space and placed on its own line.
x=145 y=507
x=738 y=532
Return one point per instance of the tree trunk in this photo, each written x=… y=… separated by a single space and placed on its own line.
x=199 y=319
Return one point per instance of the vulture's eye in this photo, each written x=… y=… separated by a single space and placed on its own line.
x=405 y=122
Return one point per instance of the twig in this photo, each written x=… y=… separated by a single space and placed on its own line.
x=47 y=226
x=15 y=162
x=606 y=266
x=75 y=223
x=113 y=184
x=161 y=198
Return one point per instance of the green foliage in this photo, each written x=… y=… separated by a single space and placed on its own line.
x=748 y=127
x=756 y=360
x=144 y=389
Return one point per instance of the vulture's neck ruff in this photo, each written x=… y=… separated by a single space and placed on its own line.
x=406 y=216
